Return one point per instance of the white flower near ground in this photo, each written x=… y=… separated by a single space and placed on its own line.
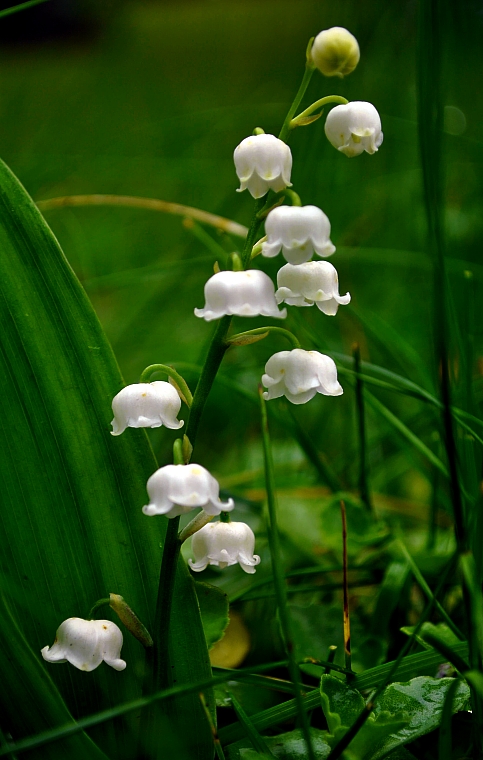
x=224 y=544
x=354 y=128
x=146 y=405
x=335 y=52
x=297 y=231
x=299 y=375
x=263 y=163
x=86 y=643
x=178 y=488
x=313 y=282
x=245 y=294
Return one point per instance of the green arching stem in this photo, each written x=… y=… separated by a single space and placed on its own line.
x=260 y=330
x=284 y=132
x=97 y=606
x=293 y=196
x=180 y=381
x=318 y=104
x=279 y=578
x=225 y=517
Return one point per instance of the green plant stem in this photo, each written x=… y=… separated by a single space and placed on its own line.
x=97 y=606
x=216 y=742
x=284 y=132
x=361 y=429
x=427 y=591
x=260 y=330
x=21 y=7
x=279 y=579
x=171 y=372
x=259 y=743
x=215 y=355
x=445 y=729
x=318 y=104
x=345 y=585
x=371 y=702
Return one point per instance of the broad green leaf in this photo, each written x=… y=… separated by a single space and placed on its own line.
x=410 y=666
x=422 y=700
x=214 y=611
x=342 y=705
x=72 y=526
x=287 y=746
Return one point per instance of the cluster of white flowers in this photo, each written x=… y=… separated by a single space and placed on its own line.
x=263 y=162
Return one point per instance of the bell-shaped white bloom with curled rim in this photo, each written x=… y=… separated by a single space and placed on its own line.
x=299 y=375
x=297 y=231
x=146 y=405
x=263 y=163
x=245 y=294
x=178 y=488
x=86 y=643
x=313 y=282
x=354 y=128
x=224 y=544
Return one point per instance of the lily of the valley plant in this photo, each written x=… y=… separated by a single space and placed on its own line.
x=263 y=163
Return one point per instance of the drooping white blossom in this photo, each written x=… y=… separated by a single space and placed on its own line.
x=263 y=163
x=86 y=643
x=299 y=375
x=178 y=488
x=297 y=231
x=354 y=128
x=246 y=294
x=224 y=544
x=335 y=52
x=313 y=282
x=146 y=405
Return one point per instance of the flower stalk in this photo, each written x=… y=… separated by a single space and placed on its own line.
x=181 y=383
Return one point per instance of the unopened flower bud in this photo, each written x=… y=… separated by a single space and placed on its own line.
x=335 y=52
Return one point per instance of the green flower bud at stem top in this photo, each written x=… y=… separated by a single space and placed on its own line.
x=335 y=52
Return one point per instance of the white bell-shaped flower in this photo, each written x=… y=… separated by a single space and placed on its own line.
x=335 y=52
x=297 y=231
x=299 y=375
x=178 y=488
x=263 y=163
x=313 y=282
x=224 y=544
x=146 y=405
x=354 y=128
x=86 y=643
x=246 y=294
